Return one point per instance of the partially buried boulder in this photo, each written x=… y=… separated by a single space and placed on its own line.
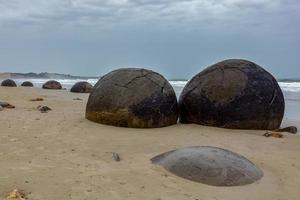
x=233 y=94
x=82 y=87
x=133 y=97
x=9 y=83
x=27 y=84
x=209 y=165
x=52 y=84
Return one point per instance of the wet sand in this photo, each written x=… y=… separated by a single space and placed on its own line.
x=61 y=155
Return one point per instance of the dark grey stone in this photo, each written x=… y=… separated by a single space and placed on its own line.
x=9 y=83
x=4 y=104
x=52 y=84
x=233 y=94
x=116 y=157
x=82 y=87
x=209 y=165
x=133 y=97
x=43 y=109
x=27 y=84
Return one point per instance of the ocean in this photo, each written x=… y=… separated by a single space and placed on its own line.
x=290 y=88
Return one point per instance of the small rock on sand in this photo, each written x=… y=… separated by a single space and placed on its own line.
x=3 y=104
x=77 y=99
x=273 y=134
x=16 y=194
x=116 y=157
x=37 y=99
x=43 y=109
x=10 y=106
x=6 y=105
x=289 y=129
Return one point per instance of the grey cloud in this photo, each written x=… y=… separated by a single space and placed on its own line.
x=175 y=37
x=136 y=10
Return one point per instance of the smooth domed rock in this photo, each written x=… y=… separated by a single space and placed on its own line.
x=82 y=87
x=209 y=165
x=235 y=94
x=27 y=84
x=9 y=83
x=133 y=97
x=52 y=85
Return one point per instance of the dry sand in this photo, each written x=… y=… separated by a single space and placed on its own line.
x=60 y=155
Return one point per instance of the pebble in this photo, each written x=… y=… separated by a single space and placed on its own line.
x=43 y=109
x=37 y=99
x=6 y=105
x=77 y=99
x=116 y=157
x=3 y=104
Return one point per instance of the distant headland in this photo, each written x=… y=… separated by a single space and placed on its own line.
x=47 y=75
x=43 y=75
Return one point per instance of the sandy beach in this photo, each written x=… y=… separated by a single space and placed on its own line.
x=61 y=155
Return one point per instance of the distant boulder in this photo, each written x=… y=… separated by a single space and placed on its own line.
x=133 y=97
x=82 y=87
x=236 y=94
x=27 y=84
x=9 y=83
x=52 y=85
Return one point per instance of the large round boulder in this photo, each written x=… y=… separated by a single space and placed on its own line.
x=209 y=165
x=133 y=97
x=236 y=94
x=9 y=83
x=82 y=87
x=27 y=84
x=52 y=84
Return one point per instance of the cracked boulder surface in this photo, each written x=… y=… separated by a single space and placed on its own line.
x=27 y=84
x=82 y=87
x=52 y=84
x=9 y=83
x=235 y=94
x=133 y=97
x=209 y=165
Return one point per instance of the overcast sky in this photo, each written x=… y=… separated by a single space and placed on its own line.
x=177 y=38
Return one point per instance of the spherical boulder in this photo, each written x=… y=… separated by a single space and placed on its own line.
x=236 y=94
x=27 y=84
x=9 y=83
x=52 y=84
x=209 y=165
x=133 y=97
x=82 y=87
